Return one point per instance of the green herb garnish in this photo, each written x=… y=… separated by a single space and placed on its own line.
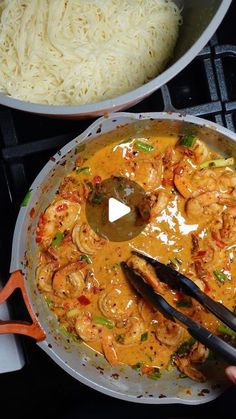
x=26 y=198
x=57 y=239
x=217 y=163
x=85 y=258
x=188 y=140
x=139 y=145
x=103 y=321
x=155 y=374
x=225 y=330
x=220 y=276
x=144 y=337
x=85 y=170
x=80 y=147
x=138 y=366
x=185 y=346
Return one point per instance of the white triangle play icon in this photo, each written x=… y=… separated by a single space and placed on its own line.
x=116 y=210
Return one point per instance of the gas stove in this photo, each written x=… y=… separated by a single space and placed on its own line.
x=206 y=88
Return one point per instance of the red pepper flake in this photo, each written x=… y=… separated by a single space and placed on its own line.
x=95 y=290
x=207 y=287
x=179 y=170
x=166 y=182
x=200 y=253
x=62 y=207
x=79 y=161
x=32 y=212
x=97 y=179
x=84 y=300
x=219 y=243
x=147 y=370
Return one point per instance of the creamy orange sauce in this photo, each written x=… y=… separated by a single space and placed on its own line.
x=80 y=275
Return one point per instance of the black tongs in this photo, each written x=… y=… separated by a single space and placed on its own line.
x=177 y=280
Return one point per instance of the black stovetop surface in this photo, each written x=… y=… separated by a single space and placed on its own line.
x=207 y=88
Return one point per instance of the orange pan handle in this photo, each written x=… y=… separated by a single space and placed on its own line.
x=33 y=329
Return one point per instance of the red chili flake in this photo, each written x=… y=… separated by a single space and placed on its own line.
x=97 y=179
x=166 y=182
x=71 y=196
x=179 y=170
x=95 y=290
x=180 y=295
x=32 y=212
x=200 y=253
x=207 y=287
x=84 y=300
x=62 y=207
x=219 y=243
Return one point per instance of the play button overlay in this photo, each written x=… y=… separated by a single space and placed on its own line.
x=116 y=210
x=113 y=209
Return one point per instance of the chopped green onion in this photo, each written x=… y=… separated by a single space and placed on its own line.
x=143 y=146
x=103 y=321
x=80 y=147
x=67 y=334
x=184 y=303
x=188 y=140
x=220 y=276
x=155 y=374
x=85 y=258
x=225 y=330
x=138 y=366
x=85 y=170
x=144 y=337
x=217 y=163
x=72 y=313
x=57 y=239
x=185 y=346
x=171 y=362
x=120 y=338
x=179 y=261
x=26 y=198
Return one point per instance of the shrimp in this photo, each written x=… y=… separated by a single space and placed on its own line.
x=227 y=181
x=201 y=151
x=148 y=174
x=167 y=332
x=117 y=302
x=185 y=366
x=73 y=189
x=208 y=203
x=86 y=239
x=153 y=205
x=44 y=274
x=182 y=179
x=228 y=230
x=107 y=340
x=66 y=253
x=135 y=329
x=60 y=216
x=145 y=310
x=86 y=329
x=141 y=267
x=69 y=281
x=198 y=353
